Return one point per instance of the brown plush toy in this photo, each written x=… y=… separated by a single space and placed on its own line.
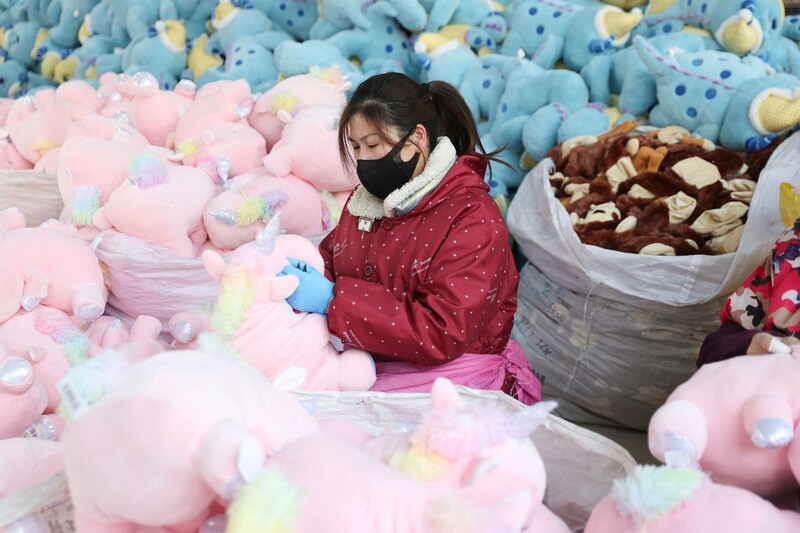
x=659 y=193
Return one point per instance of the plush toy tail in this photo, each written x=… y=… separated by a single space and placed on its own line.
x=76 y=343
x=85 y=201
x=650 y=492
x=270 y=504
x=147 y=171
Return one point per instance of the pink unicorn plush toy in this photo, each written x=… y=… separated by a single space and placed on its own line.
x=736 y=418
x=484 y=450
x=235 y=216
x=253 y=319
x=160 y=203
x=317 y=484
x=309 y=149
x=659 y=499
x=325 y=86
x=173 y=433
x=54 y=342
x=74 y=283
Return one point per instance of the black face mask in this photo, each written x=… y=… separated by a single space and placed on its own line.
x=381 y=177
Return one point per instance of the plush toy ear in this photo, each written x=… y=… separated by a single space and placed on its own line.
x=214 y=263
x=11 y=218
x=283 y=287
x=208 y=137
x=443 y=394
x=284 y=116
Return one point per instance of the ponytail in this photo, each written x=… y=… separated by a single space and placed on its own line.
x=456 y=122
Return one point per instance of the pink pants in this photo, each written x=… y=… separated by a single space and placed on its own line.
x=477 y=371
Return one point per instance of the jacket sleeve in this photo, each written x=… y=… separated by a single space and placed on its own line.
x=730 y=340
x=447 y=311
x=326 y=251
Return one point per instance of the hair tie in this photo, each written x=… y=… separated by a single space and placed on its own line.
x=428 y=88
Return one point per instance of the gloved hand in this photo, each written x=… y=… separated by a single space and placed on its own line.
x=315 y=292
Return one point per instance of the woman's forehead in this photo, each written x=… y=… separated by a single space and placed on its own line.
x=359 y=128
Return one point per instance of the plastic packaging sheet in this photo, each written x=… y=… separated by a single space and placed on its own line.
x=34 y=193
x=146 y=279
x=611 y=334
x=580 y=464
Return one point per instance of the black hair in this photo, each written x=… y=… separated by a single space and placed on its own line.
x=394 y=100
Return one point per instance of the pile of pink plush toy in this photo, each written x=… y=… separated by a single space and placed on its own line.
x=186 y=422
x=202 y=419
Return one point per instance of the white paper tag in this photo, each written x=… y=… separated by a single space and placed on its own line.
x=71 y=398
x=85 y=384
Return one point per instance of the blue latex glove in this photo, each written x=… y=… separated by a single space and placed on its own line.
x=315 y=292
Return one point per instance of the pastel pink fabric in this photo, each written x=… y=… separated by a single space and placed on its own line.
x=477 y=371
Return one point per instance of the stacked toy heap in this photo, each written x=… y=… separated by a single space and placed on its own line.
x=725 y=71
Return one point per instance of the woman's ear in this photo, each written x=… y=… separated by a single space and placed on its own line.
x=420 y=139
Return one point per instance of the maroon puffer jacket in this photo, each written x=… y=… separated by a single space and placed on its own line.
x=429 y=285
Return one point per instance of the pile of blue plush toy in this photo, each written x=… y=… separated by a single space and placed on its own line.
x=534 y=72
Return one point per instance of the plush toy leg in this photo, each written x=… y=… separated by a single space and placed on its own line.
x=356 y=370
x=182 y=247
x=145 y=327
x=48 y=427
x=112 y=336
x=597 y=75
x=35 y=291
x=768 y=420
x=186 y=326
x=678 y=434
x=549 y=52
x=540 y=132
x=88 y=302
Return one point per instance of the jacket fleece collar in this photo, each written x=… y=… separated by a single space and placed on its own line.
x=364 y=205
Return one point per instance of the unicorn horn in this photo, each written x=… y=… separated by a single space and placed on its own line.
x=265 y=240
x=226 y=216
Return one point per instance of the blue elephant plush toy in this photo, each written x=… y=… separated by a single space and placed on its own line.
x=695 y=88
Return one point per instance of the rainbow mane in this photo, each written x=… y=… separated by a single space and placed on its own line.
x=453 y=432
x=85 y=201
x=76 y=343
x=235 y=297
x=331 y=75
x=284 y=101
x=270 y=504
x=651 y=492
x=259 y=208
x=147 y=171
x=420 y=463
